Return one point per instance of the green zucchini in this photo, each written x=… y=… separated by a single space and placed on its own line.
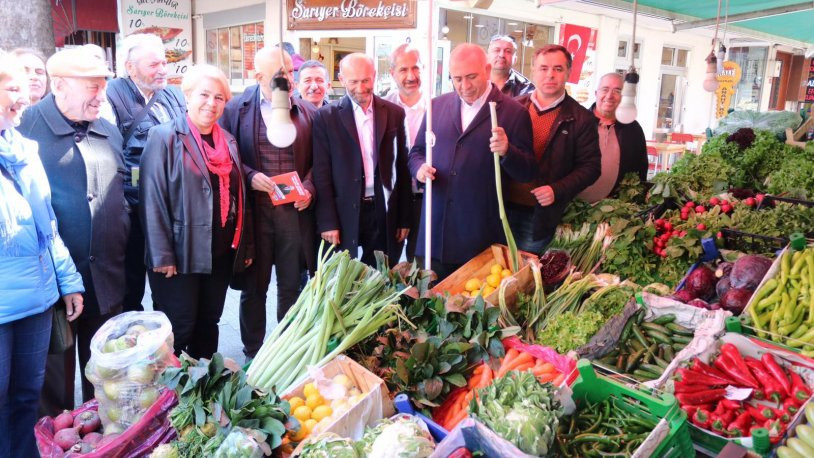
x=677 y=328
x=682 y=339
x=661 y=337
x=657 y=328
x=665 y=319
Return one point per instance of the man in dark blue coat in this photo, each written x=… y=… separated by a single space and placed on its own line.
x=81 y=154
x=465 y=217
x=360 y=167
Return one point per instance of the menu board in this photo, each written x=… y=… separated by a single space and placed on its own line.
x=810 y=83
x=171 y=20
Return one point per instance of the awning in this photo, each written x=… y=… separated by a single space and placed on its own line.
x=791 y=19
x=70 y=16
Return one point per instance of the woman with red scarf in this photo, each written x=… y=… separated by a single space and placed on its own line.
x=193 y=211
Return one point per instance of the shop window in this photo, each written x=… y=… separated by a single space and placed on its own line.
x=752 y=61
x=232 y=49
x=674 y=57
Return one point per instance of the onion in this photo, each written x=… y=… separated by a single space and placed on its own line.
x=66 y=438
x=88 y=421
x=63 y=420
x=82 y=448
x=92 y=438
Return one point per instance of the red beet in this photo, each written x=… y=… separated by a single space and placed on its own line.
x=748 y=271
x=735 y=300
x=63 y=420
x=66 y=438
x=92 y=438
x=700 y=303
x=88 y=421
x=722 y=286
x=701 y=282
x=683 y=296
x=714 y=306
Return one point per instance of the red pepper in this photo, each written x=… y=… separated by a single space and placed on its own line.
x=739 y=365
x=700 y=366
x=720 y=408
x=723 y=363
x=781 y=415
x=777 y=372
x=790 y=406
x=701 y=397
x=718 y=424
x=731 y=405
x=702 y=418
x=690 y=409
x=699 y=378
x=801 y=392
x=776 y=430
x=760 y=414
x=740 y=426
x=759 y=394
x=685 y=387
x=771 y=387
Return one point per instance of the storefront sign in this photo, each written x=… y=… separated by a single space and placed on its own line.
x=727 y=80
x=351 y=14
x=171 y=20
x=810 y=85
x=581 y=43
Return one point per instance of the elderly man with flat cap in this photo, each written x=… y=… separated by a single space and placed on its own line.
x=284 y=234
x=82 y=157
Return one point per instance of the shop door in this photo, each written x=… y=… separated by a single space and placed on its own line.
x=780 y=82
x=670 y=104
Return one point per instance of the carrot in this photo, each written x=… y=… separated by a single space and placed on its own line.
x=522 y=358
x=510 y=356
x=485 y=378
x=524 y=367
x=453 y=421
x=557 y=381
x=547 y=368
x=546 y=377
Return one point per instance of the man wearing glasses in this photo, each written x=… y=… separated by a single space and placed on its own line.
x=622 y=146
x=502 y=54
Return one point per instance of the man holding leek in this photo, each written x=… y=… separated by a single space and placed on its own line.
x=465 y=218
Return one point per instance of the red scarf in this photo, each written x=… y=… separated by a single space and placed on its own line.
x=219 y=161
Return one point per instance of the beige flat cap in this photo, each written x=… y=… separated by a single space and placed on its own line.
x=78 y=62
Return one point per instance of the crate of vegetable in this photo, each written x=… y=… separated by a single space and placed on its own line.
x=402 y=435
x=484 y=273
x=743 y=390
x=612 y=418
x=341 y=397
x=800 y=441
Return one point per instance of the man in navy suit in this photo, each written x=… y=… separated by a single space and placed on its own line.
x=465 y=217
x=360 y=167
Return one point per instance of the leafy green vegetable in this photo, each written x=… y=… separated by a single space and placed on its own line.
x=571 y=330
x=521 y=410
x=403 y=437
x=330 y=445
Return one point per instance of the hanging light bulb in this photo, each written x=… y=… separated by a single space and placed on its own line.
x=280 y=131
x=626 y=111
x=711 y=80
x=721 y=57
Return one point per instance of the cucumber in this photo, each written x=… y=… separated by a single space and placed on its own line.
x=662 y=363
x=669 y=354
x=645 y=374
x=806 y=434
x=787 y=452
x=664 y=319
x=810 y=413
x=800 y=447
x=633 y=360
x=682 y=339
x=652 y=368
x=657 y=328
x=678 y=346
x=677 y=328
x=661 y=337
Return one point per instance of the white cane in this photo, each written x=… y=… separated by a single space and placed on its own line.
x=429 y=140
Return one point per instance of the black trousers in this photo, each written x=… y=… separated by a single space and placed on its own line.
x=372 y=232
x=442 y=270
x=134 y=268
x=278 y=245
x=412 y=238
x=194 y=303
x=60 y=369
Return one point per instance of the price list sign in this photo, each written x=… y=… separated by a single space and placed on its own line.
x=170 y=20
x=810 y=83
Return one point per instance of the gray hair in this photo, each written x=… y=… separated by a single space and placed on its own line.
x=312 y=64
x=612 y=75
x=403 y=48
x=132 y=43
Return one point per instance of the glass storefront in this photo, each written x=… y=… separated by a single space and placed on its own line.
x=752 y=61
x=232 y=49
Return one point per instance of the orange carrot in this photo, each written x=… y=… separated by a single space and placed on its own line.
x=522 y=358
x=510 y=356
x=557 y=381
x=485 y=378
x=547 y=367
x=453 y=421
x=524 y=367
x=546 y=377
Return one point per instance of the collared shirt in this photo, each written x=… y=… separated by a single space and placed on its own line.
x=611 y=154
x=157 y=109
x=468 y=112
x=414 y=115
x=546 y=108
x=517 y=84
x=366 y=130
x=273 y=160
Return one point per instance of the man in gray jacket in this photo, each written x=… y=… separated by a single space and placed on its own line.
x=81 y=154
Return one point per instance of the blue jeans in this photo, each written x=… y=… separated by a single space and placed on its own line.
x=23 y=349
x=520 y=222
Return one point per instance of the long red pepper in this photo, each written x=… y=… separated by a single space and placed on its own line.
x=685 y=387
x=723 y=363
x=701 y=397
x=734 y=355
x=701 y=418
x=771 y=387
x=730 y=404
x=801 y=391
x=700 y=366
x=760 y=414
x=698 y=378
x=771 y=365
x=718 y=424
x=790 y=405
x=740 y=425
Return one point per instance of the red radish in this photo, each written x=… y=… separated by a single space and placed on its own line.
x=700 y=209
x=668 y=226
x=63 y=420
x=726 y=208
x=92 y=438
x=66 y=438
x=714 y=201
x=750 y=201
x=720 y=235
x=689 y=204
x=683 y=233
x=759 y=197
x=88 y=421
x=685 y=216
x=701 y=227
x=724 y=202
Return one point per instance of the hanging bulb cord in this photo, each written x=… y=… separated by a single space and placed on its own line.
x=633 y=77
x=717 y=23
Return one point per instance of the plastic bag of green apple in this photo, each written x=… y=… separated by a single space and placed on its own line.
x=243 y=443
x=128 y=354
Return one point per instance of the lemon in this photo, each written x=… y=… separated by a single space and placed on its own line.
x=321 y=412
x=344 y=380
x=310 y=424
x=299 y=435
x=473 y=284
x=487 y=291
x=505 y=273
x=302 y=413
x=310 y=389
x=496 y=269
x=314 y=401
x=295 y=402
x=493 y=280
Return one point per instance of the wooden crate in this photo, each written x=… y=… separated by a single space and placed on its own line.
x=375 y=405
x=479 y=267
x=798 y=137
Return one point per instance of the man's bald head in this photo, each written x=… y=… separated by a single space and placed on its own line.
x=269 y=61
x=356 y=60
x=469 y=71
x=357 y=74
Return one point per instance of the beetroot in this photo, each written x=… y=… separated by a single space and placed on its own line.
x=63 y=420
x=66 y=438
x=92 y=438
x=722 y=286
x=700 y=303
x=735 y=300
x=88 y=421
x=715 y=306
x=701 y=282
x=683 y=296
x=748 y=271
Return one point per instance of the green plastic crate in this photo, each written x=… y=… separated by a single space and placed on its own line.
x=735 y=324
x=595 y=388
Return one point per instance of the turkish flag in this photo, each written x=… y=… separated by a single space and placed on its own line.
x=577 y=40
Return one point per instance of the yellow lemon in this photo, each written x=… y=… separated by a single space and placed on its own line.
x=295 y=402
x=493 y=280
x=496 y=269
x=321 y=412
x=487 y=291
x=343 y=380
x=505 y=273
x=314 y=401
x=302 y=413
x=310 y=389
x=299 y=435
x=473 y=284
x=310 y=424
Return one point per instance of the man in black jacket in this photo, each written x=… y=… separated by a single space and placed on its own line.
x=623 y=146
x=140 y=99
x=81 y=154
x=566 y=148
